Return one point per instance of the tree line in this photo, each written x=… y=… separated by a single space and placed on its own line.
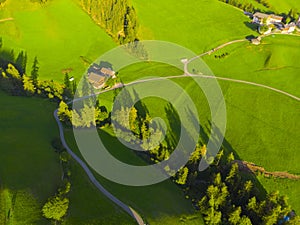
x=224 y=193
x=17 y=79
x=117 y=17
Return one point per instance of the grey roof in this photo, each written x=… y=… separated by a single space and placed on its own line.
x=264 y=16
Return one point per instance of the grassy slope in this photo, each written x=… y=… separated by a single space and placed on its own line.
x=262 y=125
x=30 y=168
x=273 y=63
x=163 y=203
x=58 y=33
x=29 y=165
x=198 y=25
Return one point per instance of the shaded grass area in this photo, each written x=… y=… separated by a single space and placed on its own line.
x=89 y=206
x=59 y=33
x=162 y=203
x=29 y=169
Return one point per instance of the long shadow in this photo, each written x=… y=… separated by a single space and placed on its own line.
x=227 y=147
x=205 y=135
x=252 y=26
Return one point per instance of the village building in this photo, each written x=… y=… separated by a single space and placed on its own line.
x=256 y=41
x=267 y=19
x=289 y=28
x=96 y=80
x=108 y=72
x=98 y=75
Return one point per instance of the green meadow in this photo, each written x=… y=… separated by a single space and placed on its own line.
x=197 y=25
x=60 y=34
x=262 y=126
x=159 y=204
x=30 y=171
x=29 y=168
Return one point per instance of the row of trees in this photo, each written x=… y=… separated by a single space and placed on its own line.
x=117 y=17
x=248 y=7
x=17 y=80
x=223 y=194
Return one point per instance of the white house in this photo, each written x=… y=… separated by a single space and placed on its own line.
x=267 y=19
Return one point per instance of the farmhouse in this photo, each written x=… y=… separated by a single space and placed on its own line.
x=108 y=72
x=262 y=18
x=98 y=75
x=96 y=80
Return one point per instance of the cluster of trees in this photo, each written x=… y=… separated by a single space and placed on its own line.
x=292 y=16
x=264 y=3
x=87 y=116
x=117 y=17
x=56 y=207
x=230 y=197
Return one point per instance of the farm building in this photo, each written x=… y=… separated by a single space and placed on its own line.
x=98 y=75
x=289 y=28
x=96 y=80
x=267 y=19
x=108 y=72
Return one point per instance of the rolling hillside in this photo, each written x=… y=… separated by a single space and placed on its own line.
x=59 y=33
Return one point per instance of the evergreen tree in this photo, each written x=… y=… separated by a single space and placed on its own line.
x=35 y=71
x=21 y=62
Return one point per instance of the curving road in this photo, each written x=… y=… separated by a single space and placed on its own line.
x=92 y=178
x=186 y=74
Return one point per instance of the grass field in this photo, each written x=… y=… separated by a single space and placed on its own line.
x=198 y=25
x=262 y=126
x=29 y=168
x=30 y=171
x=58 y=33
x=159 y=204
x=273 y=63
